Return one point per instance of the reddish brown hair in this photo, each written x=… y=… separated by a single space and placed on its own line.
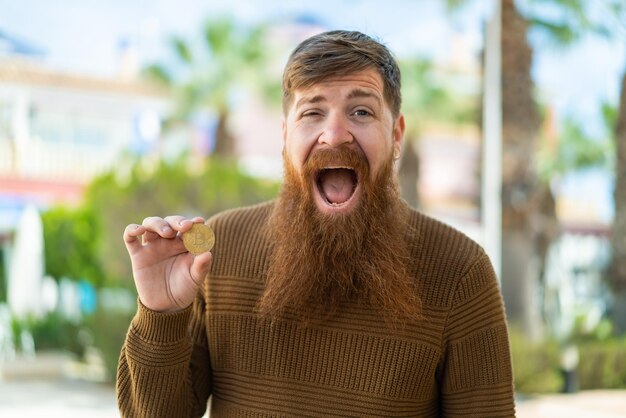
x=338 y=53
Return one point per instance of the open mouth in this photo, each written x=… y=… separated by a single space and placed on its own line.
x=337 y=185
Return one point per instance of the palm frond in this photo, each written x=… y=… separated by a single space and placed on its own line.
x=183 y=52
x=159 y=74
x=218 y=35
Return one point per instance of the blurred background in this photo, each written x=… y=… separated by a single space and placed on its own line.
x=114 y=111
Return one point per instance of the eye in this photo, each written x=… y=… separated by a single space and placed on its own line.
x=310 y=113
x=362 y=112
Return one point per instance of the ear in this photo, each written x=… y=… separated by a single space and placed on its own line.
x=284 y=131
x=398 y=132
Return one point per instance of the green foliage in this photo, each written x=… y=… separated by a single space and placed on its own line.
x=602 y=354
x=455 y=5
x=217 y=34
x=207 y=74
x=54 y=332
x=72 y=238
x=204 y=75
x=609 y=116
x=427 y=97
x=3 y=277
x=86 y=242
x=560 y=23
x=182 y=50
x=535 y=365
x=160 y=190
x=603 y=364
x=157 y=74
x=576 y=150
x=51 y=332
x=108 y=330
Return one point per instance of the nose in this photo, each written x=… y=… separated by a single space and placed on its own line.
x=336 y=132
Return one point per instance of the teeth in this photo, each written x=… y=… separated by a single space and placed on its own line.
x=338 y=167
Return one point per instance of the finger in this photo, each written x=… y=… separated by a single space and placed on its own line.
x=150 y=236
x=179 y=223
x=175 y=221
x=132 y=234
x=200 y=267
x=159 y=226
x=186 y=223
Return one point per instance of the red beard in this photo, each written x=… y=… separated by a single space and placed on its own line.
x=319 y=262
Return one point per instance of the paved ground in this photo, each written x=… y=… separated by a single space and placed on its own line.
x=588 y=404
x=66 y=398
x=56 y=399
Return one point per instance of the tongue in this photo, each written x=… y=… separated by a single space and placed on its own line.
x=337 y=184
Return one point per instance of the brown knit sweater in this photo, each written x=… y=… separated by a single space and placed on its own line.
x=455 y=362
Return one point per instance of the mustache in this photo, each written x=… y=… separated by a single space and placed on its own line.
x=341 y=156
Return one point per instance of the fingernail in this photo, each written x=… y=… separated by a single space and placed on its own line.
x=166 y=229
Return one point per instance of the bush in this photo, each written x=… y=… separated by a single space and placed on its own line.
x=55 y=332
x=536 y=365
x=108 y=329
x=51 y=332
x=85 y=243
x=603 y=364
x=163 y=189
x=73 y=240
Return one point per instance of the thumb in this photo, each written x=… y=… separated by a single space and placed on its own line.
x=200 y=267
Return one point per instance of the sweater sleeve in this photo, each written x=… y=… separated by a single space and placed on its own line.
x=477 y=377
x=164 y=368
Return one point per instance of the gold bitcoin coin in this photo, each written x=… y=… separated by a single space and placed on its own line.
x=199 y=239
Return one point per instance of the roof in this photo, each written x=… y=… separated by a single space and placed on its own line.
x=27 y=72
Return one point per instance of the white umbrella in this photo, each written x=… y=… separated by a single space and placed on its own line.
x=26 y=265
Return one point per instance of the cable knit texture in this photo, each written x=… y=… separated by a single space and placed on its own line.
x=454 y=362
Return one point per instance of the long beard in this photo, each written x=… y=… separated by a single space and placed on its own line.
x=320 y=262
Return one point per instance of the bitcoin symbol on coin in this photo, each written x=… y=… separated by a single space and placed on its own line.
x=200 y=238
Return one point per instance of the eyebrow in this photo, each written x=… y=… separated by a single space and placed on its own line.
x=363 y=93
x=310 y=100
x=356 y=93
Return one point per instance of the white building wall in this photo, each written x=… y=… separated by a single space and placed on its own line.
x=67 y=134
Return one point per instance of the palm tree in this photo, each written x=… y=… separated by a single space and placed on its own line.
x=521 y=191
x=206 y=80
x=617 y=267
x=528 y=210
x=529 y=219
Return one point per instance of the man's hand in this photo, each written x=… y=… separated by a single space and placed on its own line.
x=166 y=275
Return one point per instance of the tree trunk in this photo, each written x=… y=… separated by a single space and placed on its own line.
x=224 y=141
x=617 y=270
x=409 y=174
x=528 y=215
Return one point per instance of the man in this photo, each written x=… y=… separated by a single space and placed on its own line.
x=336 y=299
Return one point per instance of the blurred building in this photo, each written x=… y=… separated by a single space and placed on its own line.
x=59 y=130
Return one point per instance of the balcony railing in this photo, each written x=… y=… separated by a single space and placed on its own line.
x=47 y=161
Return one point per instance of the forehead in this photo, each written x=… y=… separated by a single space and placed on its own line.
x=359 y=84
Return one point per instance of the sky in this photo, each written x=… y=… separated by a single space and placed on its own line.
x=84 y=36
